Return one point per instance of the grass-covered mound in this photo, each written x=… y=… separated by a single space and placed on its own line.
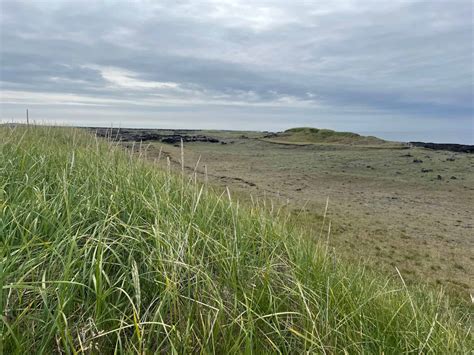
x=316 y=135
x=103 y=252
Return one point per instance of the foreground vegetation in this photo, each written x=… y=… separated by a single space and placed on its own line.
x=103 y=251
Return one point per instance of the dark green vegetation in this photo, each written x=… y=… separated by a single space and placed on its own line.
x=305 y=135
x=102 y=252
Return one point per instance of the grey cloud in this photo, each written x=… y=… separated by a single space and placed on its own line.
x=404 y=58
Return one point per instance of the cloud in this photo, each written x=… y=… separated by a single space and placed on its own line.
x=124 y=79
x=387 y=59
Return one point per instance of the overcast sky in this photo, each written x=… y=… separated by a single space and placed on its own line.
x=402 y=69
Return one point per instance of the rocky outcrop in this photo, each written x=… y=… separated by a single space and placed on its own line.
x=143 y=135
x=458 y=148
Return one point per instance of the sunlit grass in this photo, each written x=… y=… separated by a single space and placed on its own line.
x=102 y=251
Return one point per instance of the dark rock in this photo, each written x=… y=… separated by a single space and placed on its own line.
x=171 y=140
x=142 y=135
x=177 y=139
x=461 y=148
x=453 y=178
x=417 y=161
x=439 y=177
x=426 y=170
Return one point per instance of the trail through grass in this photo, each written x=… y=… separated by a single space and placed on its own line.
x=102 y=251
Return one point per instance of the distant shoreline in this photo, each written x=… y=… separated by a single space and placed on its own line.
x=454 y=147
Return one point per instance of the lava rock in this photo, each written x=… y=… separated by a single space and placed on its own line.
x=461 y=148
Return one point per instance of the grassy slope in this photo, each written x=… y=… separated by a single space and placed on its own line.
x=315 y=135
x=101 y=250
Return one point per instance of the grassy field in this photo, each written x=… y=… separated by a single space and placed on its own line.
x=390 y=205
x=105 y=252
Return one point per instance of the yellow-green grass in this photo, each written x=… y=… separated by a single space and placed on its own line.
x=104 y=252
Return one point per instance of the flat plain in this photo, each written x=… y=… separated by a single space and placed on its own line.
x=390 y=205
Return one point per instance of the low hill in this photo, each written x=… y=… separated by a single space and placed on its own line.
x=307 y=135
x=103 y=252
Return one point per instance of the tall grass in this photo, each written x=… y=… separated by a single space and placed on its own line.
x=102 y=251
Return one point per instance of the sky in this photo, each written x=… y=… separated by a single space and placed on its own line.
x=399 y=69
